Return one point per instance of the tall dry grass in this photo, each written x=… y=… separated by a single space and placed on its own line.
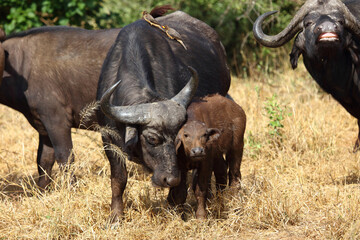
x=303 y=184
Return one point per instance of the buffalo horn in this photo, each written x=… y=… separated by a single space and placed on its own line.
x=138 y=114
x=288 y=33
x=141 y=114
x=185 y=96
x=351 y=22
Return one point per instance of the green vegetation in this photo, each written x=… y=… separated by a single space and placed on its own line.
x=276 y=115
x=233 y=21
x=19 y=15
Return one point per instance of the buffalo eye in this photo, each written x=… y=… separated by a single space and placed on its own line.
x=186 y=135
x=308 y=23
x=152 y=139
x=341 y=21
x=206 y=136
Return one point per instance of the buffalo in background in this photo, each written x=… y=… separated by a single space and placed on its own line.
x=153 y=68
x=328 y=37
x=2 y=55
x=50 y=75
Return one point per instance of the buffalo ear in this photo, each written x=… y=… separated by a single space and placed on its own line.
x=294 y=56
x=354 y=52
x=131 y=138
x=297 y=50
x=178 y=141
x=213 y=134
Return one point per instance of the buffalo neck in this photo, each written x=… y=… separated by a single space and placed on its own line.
x=339 y=77
x=333 y=73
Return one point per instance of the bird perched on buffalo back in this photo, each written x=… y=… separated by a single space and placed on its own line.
x=159 y=11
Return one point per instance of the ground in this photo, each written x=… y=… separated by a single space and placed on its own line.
x=300 y=177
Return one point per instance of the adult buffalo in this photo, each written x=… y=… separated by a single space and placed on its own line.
x=50 y=74
x=329 y=40
x=2 y=54
x=153 y=68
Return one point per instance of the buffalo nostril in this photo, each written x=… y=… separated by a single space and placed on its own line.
x=197 y=151
x=172 y=181
x=164 y=181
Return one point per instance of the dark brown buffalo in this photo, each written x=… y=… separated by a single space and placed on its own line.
x=328 y=37
x=148 y=106
x=51 y=74
x=2 y=55
x=215 y=126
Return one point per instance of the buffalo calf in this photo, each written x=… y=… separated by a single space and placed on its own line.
x=215 y=126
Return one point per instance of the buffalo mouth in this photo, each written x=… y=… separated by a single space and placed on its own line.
x=328 y=37
x=197 y=158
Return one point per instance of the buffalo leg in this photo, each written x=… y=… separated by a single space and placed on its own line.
x=357 y=143
x=201 y=184
x=62 y=143
x=220 y=172
x=177 y=195
x=234 y=158
x=45 y=161
x=118 y=180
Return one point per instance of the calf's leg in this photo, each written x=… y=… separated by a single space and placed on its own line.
x=234 y=158
x=220 y=172
x=201 y=184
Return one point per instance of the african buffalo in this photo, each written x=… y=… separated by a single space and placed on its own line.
x=153 y=68
x=50 y=74
x=329 y=40
x=201 y=143
x=2 y=55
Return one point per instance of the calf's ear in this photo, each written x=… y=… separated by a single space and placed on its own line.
x=213 y=134
x=178 y=141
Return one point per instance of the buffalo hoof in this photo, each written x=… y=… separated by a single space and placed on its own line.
x=43 y=183
x=235 y=183
x=116 y=217
x=201 y=214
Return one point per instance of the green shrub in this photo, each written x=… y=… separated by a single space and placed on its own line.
x=233 y=21
x=18 y=15
x=276 y=114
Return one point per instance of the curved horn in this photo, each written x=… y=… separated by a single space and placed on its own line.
x=185 y=96
x=141 y=114
x=138 y=114
x=288 y=33
x=351 y=22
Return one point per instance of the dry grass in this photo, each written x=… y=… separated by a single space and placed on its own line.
x=303 y=185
